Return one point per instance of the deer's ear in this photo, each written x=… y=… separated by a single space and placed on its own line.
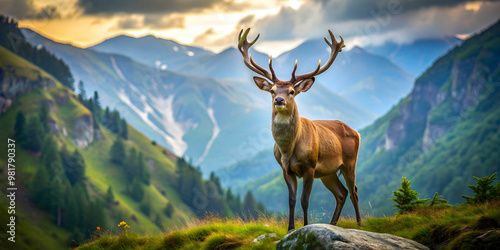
x=262 y=83
x=305 y=85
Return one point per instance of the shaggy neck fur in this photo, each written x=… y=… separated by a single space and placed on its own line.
x=285 y=128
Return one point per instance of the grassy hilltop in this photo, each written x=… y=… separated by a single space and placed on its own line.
x=442 y=227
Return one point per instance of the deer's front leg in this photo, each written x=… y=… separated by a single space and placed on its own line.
x=306 y=192
x=291 y=182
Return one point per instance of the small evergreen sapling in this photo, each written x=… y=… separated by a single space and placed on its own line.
x=436 y=200
x=484 y=190
x=406 y=199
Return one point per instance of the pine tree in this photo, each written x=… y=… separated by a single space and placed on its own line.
x=114 y=125
x=56 y=196
x=483 y=191
x=96 y=99
x=436 y=200
x=96 y=216
x=74 y=167
x=136 y=189
x=131 y=167
x=117 y=152
x=169 y=210
x=110 y=197
x=250 y=206
x=81 y=90
x=233 y=202
x=107 y=117
x=143 y=171
x=19 y=127
x=124 y=129
x=82 y=200
x=71 y=214
x=34 y=135
x=50 y=156
x=40 y=187
x=44 y=116
x=406 y=198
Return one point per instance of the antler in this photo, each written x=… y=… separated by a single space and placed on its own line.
x=243 y=46
x=336 y=48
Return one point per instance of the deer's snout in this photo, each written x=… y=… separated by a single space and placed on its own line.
x=279 y=101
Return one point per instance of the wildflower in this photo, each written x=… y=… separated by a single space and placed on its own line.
x=124 y=226
x=98 y=228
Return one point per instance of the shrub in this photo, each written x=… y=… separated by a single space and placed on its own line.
x=484 y=190
x=436 y=200
x=406 y=198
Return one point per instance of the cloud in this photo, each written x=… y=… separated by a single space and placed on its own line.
x=158 y=22
x=377 y=21
x=25 y=9
x=362 y=9
x=246 y=20
x=205 y=37
x=17 y=9
x=111 y=7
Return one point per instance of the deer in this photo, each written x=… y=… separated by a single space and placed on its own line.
x=304 y=148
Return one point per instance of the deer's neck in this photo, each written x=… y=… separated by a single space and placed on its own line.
x=286 y=128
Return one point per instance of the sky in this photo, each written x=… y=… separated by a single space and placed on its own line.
x=283 y=24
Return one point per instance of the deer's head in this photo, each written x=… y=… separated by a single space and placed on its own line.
x=284 y=92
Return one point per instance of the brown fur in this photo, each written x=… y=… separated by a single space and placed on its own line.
x=313 y=149
x=304 y=148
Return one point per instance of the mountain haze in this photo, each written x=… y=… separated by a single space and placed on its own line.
x=197 y=116
x=152 y=51
x=417 y=56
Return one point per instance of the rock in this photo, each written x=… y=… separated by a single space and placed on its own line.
x=83 y=131
x=54 y=128
x=98 y=135
x=63 y=97
x=13 y=86
x=326 y=236
x=258 y=239
x=50 y=106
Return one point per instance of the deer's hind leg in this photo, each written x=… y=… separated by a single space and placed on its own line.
x=338 y=190
x=348 y=170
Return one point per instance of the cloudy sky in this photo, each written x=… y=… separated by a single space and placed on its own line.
x=214 y=24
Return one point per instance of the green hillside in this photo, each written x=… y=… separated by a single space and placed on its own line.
x=81 y=168
x=444 y=132
x=100 y=174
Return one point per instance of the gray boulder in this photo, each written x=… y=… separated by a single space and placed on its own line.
x=326 y=236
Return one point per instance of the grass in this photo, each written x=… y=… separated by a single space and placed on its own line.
x=440 y=227
x=210 y=233
x=18 y=67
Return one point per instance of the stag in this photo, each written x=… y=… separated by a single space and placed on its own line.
x=304 y=148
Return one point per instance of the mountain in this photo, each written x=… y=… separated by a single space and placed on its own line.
x=417 y=56
x=371 y=81
x=439 y=136
x=77 y=168
x=200 y=117
x=225 y=65
x=151 y=50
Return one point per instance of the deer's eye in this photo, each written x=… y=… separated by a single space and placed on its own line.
x=292 y=92
x=272 y=92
